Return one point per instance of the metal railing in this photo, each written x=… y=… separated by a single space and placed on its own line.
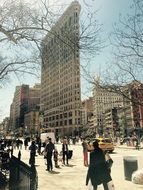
x=22 y=176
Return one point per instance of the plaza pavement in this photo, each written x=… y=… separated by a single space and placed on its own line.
x=73 y=177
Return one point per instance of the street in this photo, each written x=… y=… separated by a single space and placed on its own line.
x=73 y=176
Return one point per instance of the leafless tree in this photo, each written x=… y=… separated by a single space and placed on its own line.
x=128 y=45
x=126 y=63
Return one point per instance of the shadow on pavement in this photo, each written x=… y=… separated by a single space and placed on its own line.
x=54 y=172
x=70 y=165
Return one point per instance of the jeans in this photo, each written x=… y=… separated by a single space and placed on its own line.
x=104 y=185
x=49 y=161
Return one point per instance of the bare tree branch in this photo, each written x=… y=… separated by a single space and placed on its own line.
x=23 y=25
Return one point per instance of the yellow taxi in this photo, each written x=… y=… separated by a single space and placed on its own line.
x=105 y=144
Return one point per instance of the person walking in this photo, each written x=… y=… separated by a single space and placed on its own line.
x=56 y=157
x=32 y=149
x=18 y=143
x=49 y=152
x=137 y=143
x=65 y=151
x=39 y=146
x=25 y=143
x=98 y=173
x=85 y=152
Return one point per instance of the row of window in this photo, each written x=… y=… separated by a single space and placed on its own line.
x=50 y=92
x=60 y=116
x=64 y=123
x=55 y=103
x=61 y=72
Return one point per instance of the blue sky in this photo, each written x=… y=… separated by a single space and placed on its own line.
x=108 y=13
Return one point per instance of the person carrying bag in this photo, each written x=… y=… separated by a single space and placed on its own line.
x=97 y=170
x=109 y=163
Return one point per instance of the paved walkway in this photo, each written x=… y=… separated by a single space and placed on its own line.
x=124 y=146
x=62 y=178
x=72 y=177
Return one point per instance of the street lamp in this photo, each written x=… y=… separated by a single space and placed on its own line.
x=41 y=118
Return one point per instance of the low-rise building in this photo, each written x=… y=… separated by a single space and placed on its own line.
x=32 y=126
x=25 y=99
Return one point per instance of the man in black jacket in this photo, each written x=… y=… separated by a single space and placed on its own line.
x=98 y=172
x=49 y=152
x=65 y=151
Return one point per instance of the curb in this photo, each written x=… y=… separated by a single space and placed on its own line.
x=128 y=147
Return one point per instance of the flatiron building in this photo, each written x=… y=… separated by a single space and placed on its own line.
x=60 y=77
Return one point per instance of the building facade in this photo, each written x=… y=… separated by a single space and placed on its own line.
x=86 y=111
x=111 y=126
x=119 y=114
x=60 y=81
x=133 y=107
x=31 y=121
x=34 y=97
x=25 y=99
x=104 y=99
x=5 y=130
x=16 y=118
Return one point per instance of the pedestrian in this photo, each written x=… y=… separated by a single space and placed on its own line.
x=60 y=158
x=74 y=140
x=20 y=143
x=109 y=161
x=137 y=143
x=85 y=152
x=65 y=151
x=39 y=146
x=57 y=139
x=48 y=152
x=25 y=143
x=56 y=158
x=98 y=173
x=32 y=149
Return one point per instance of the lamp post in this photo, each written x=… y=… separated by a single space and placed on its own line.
x=41 y=119
x=41 y=122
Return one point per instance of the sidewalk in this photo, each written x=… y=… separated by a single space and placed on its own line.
x=66 y=177
x=73 y=177
x=127 y=147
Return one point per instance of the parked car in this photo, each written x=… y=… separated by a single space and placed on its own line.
x=105 y=144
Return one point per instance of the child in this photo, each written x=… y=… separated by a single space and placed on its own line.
x=56 y=158
x=60 y=157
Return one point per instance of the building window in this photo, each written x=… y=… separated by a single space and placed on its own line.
x=65 y=122
x=70 y=114
x=78 y=121
x=65 y=114
x=70 y=121
x=70 y=19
